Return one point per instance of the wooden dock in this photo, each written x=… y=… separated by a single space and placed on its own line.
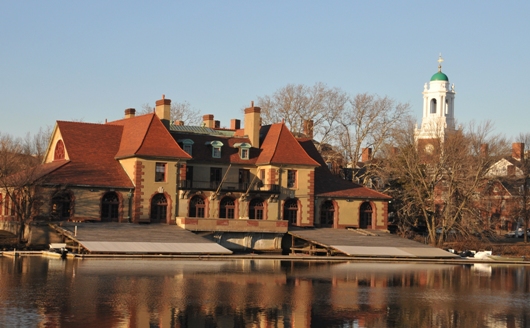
x=360 y=243
x=129 y=238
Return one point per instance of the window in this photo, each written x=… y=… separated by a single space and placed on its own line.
x=327 y=214
x=215 y=177
x=244 y=153
x=227 y=208
x=244 y=179
x=365 y=220
x=59 y=151
x=188 y=149
x=255 y=211
x=216 y=152
x=290 y=211
x=244 y=149
x=291 y=178
x=160 y=172
x=61 y=206
x=109 y=207
x=216 y=148
x=197 y=207
x=187 y=145
x=262 y=174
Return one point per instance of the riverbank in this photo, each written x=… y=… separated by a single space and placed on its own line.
x=494 y=259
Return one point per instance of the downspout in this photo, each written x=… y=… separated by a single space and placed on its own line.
x=177 y=198
x=280 y=187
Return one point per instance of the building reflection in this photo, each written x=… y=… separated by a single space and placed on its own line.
x=262 y=293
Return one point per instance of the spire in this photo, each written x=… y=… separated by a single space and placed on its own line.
x=440 y=61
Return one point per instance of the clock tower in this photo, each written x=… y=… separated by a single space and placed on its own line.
x=438 y=110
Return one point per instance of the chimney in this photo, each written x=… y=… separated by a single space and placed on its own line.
x=484 y=150
x=308 y=128
x=253 y=124
x=510 y=170
x=163 y=109
x=179 y=122
x=366 y=155
x=217 y=124
x=130 y=112
x=208 y=121
x=235 y=124
x=518 y=151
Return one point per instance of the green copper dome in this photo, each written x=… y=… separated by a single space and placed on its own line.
x=439 y=76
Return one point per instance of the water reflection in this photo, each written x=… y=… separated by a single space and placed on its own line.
x=39 y=292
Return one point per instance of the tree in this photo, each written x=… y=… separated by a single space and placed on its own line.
x=439 y=185
x=179 y=111
x=297 y=104
x=21 y=175
x=369 y=122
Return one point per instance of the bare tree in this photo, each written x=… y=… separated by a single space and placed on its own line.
x=179 y=111
x=21 y=175
x=297 y=104
x=438 y=185
x=369 y=122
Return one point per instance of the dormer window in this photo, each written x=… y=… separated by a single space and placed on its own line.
x=216 y=148
x=187 y=145
x=244 y=149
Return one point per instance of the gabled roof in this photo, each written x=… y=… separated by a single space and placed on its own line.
x=329 y=185
x=146 y=135
x=91 y=149
x=279 y=146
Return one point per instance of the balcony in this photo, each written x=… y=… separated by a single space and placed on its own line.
x=228 y=186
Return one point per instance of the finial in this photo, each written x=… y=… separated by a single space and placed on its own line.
x=252 y=103
x=440 y=61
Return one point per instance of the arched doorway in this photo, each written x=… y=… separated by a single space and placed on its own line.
x=227 y=208
x=110 y=204
x=327 y=214
x=290 y=211
x=255 y=209
x=197 y=207
x=365 y=218
x=61 y=206
x=158 y=209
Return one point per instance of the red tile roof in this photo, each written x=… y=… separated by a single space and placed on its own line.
x=279 y=146
x=146 y=135
x=329 y=185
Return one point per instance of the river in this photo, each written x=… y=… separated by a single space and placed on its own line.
x=44 y=292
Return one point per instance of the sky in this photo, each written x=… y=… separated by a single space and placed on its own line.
x=90 y=60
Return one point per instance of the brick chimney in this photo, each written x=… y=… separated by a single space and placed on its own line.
x=518 y=151
x=179 y=122
x=130 y=112
x=484 y=150
x=235 y=124
x=253 y=124
x=366 y=155
x=308 y=128
x=217 y=124
x=208 y=121
x=163 y=109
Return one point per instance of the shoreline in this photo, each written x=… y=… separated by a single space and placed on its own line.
x=302 y=258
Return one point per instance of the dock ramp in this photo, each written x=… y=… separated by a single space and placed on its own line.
x=131 y=238
x=360 y=243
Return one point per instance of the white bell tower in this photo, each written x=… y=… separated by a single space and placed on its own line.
x=438 y=107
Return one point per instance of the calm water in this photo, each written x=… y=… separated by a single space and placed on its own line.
x=40 y=292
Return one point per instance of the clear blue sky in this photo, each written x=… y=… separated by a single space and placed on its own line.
x=90 y=60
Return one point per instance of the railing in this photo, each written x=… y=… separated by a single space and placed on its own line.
x=227 y=186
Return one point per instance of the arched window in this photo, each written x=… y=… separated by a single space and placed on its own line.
x=227 y=208
x=327 y=214
x=61 y=206
x=433 y=106
x=197 y=207
x=59 y=151
x=290 y=211
x=109 y=207
x=255 y=209
x=158 y=209
x=365 y=219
